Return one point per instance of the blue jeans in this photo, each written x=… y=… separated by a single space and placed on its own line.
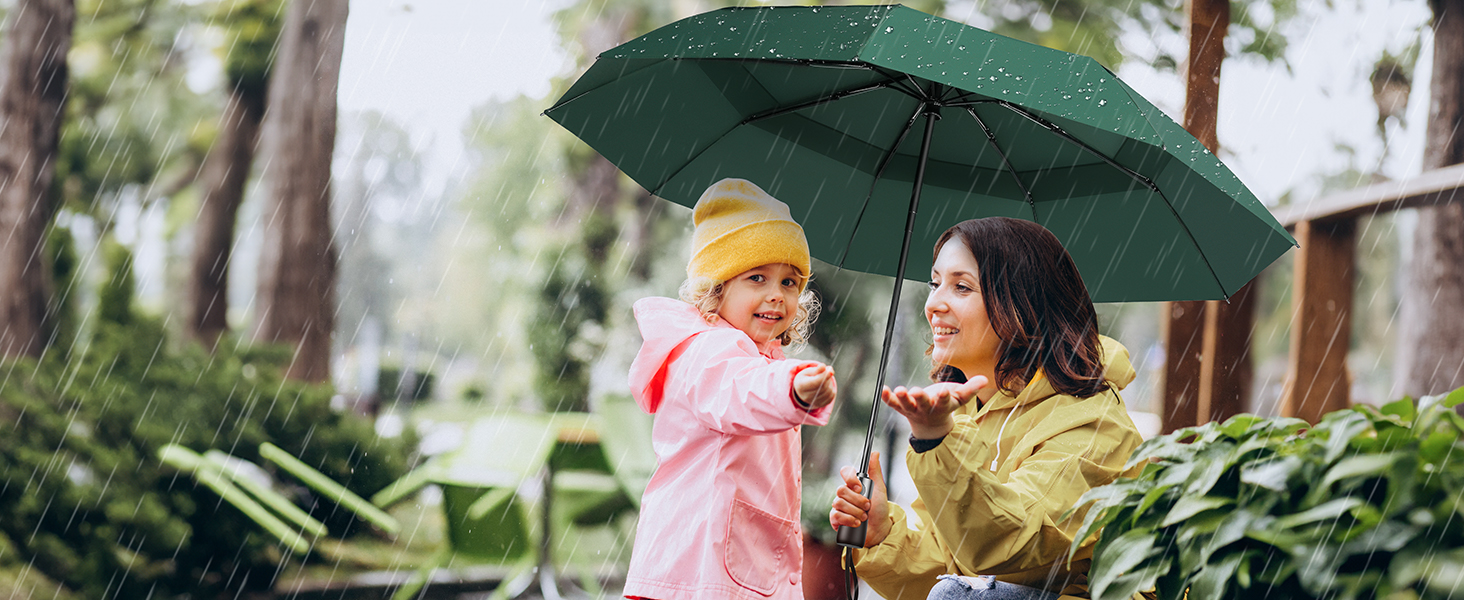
x=956 y=587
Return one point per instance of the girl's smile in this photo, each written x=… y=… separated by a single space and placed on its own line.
x=761 y=302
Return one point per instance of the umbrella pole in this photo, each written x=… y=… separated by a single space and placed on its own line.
x=854 y=536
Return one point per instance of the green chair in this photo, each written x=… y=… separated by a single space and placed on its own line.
x=247 y=487
x=625 y=437
x=487 y=521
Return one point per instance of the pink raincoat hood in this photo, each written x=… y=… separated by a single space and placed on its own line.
x=666 y=326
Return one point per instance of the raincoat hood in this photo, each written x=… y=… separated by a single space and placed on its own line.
x=666 y=326
x=1118 y=371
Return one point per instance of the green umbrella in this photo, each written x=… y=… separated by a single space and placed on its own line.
x=822 y=107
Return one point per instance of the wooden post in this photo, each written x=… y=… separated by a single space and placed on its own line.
x=1225 y=369
x=1184 y=324
x=1317 y=380
x=1185 y=337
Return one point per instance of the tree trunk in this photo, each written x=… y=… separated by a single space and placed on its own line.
x=225 y=173
x=1431 y=341
x=33 y=85
x=1188 y=330
x=296 y=298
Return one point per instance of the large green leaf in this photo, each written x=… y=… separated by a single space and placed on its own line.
x=1403 y=409
x=1331 y=509
x=1189 y=506
x=1387 y=537
x=1369 y=465
x=1239 y=425
x=1273 y=474
x=1128 y=584
x=1342 y=426
x=1165 y=492
x=1438 y=445
x=1214 y=461
x=1118 y=557
x=1211 y=580
x=1201 y=537
x=1455 y=398
x=1172 y=447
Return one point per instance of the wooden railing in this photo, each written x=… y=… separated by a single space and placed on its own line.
x=1317 y=380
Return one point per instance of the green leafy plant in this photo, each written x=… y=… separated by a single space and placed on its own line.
x=87 y=503
x=1368 y=503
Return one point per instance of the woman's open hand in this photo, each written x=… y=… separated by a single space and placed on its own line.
x=851 y=508
x=929 y=409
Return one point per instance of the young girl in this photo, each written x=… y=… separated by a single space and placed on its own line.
x=719 y=518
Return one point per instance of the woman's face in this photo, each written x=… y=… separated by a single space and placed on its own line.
x=762 y=301
x=956 y=311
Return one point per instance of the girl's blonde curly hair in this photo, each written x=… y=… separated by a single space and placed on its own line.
x=705 y=294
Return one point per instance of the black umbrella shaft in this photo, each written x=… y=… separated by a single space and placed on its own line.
x=884 y=356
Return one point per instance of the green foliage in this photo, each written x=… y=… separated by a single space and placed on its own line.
x=62 y=321
x=1365 y=504
x=568 y=328
x=116 y=293
x=389 y=384
x=251 y=29
x=89 y=505
x=131 y=121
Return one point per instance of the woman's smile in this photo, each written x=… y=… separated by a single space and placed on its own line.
x=959 y=327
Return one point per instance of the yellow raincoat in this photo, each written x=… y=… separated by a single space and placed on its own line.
x=992 y=494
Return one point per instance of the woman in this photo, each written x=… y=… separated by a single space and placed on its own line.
x=1024 y=418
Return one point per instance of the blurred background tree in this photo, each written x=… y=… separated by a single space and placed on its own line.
x=296 y=299
x=251 y=30
x=33 y=91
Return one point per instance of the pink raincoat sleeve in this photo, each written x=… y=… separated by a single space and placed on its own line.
x=734 y=390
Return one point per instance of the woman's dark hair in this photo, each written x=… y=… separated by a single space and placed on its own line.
x=1037 y=304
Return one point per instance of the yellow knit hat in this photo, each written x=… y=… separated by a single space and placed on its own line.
x=739 y=227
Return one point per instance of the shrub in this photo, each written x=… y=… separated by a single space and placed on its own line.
x=1366 y=504
x=88 y=504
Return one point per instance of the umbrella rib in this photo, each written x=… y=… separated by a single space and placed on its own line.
x=565 y=101
x=884 y=162
x=1131 y=173
x=1050 y=126
x=812 y=62
x=776 y=112
x=912 y=91
x=839 y=95
x=991 y=137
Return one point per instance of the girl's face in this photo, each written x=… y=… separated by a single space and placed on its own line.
x=956 y=310
x=762 y=301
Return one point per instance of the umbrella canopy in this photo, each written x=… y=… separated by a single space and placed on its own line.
x=820 y=105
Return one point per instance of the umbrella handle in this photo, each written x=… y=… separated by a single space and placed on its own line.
x=853 y=537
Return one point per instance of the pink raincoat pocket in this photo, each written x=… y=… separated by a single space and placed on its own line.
x=761 y=548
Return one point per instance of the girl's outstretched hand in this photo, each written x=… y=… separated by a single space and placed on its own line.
x=815 y=386
x=929 y=408
x=851 y=508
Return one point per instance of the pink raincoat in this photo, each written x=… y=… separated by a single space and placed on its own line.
x=719 y=518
